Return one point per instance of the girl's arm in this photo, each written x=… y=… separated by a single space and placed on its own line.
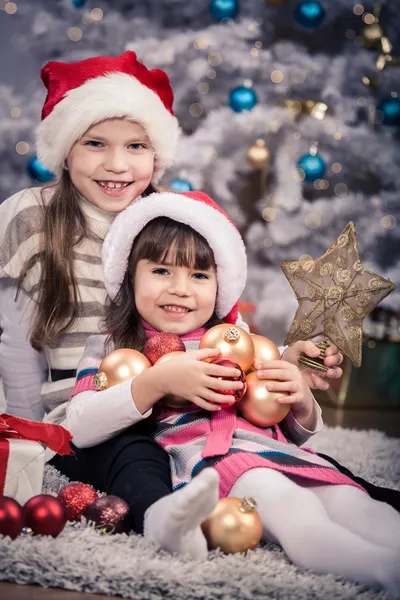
x=94 y=417
x=23 y=370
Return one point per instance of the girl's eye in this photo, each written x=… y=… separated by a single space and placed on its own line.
x=94 y=144
x=200 y=276
x=137 y=146
x=160 y=271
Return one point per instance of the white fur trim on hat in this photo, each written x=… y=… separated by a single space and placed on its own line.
x=222 y=236
x=116 y=95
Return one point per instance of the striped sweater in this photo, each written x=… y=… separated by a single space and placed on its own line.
x=20 y=238
x=195 y=438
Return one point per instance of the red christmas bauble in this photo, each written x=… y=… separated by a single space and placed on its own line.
x=162 y=343
x=45 y=515
x=11 y=517
x=110 y=513
x=234 y=395
x=76 y=498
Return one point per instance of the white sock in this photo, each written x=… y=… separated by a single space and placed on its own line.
x=296 y=518
x=173 y=522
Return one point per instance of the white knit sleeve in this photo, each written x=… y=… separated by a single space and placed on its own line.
x=22 y=369
x=95 y=417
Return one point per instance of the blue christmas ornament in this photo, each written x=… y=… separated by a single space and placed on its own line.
x=390 y=108
x=242 y=98
x=37 y=171
x=309 y=13
x=313 y=167
x=78 y=3
x=224 y=9
x=180 y=185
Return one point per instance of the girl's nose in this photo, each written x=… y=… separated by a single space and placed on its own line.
x=179 y=286
x=115 y=161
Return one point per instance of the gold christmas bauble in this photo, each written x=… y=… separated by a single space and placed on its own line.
x=119 y=366
x=258 y=406
x=171 y=400
x=265 y=349
x=258 y=155
x=234 y=525
x=233 y=341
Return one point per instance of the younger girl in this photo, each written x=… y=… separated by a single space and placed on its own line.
x=176 y=263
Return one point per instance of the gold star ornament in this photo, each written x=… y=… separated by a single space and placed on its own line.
x=335 y=293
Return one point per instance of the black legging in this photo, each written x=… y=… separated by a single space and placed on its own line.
x=131 y=466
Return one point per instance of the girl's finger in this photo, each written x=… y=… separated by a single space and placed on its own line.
x=204 y=353
x=283 y=386
x=280 y=374
x=335 y=373
x=206 y=405
x=319 y=383
x=292 y=399
x=220 y=371
x=211 y=396
x=223 y=384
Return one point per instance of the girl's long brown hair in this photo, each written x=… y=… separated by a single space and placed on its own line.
x=64 y=226
x=154 y=243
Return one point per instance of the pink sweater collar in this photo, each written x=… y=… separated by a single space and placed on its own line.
x=192 y=336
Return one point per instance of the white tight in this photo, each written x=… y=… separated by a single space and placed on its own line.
x=327 y=528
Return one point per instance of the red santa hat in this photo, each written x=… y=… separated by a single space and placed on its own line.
x=200 y=212
x=84 y=93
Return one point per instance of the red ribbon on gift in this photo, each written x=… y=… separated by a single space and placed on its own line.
x=55 y=437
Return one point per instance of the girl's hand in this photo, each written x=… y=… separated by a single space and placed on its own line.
x=282 y=376
x=188 y=377
x=317 y=380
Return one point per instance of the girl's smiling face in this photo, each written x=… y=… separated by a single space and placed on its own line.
x=174 y=277
x=174 y=298
x=112 y=164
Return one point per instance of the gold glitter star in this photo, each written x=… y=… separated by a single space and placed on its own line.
x=335 y=293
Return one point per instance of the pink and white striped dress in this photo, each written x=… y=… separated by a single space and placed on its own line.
x=195 y=438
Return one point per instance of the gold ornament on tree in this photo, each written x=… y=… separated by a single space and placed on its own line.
x=234 y=525
x=302 y=108
x=258 y=156
x=335 y=293
x=118 y=366
x=375 y=38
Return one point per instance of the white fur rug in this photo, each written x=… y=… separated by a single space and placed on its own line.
x=81 y=559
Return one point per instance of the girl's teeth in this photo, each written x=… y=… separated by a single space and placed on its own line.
x=176 y=308
x=112 y=186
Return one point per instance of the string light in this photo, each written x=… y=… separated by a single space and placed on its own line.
x=22 y=148
x=203 y=88
x=312 y=220
x=196 y=109
x=276 y=76
x=15 y=112
x=214 y=59
x=337 y=167
x=96 y=14
x=341 y=189
x=74 y=33
x=269 y=214
x=10 y=8
x=388 y=222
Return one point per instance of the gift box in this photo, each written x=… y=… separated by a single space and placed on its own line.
x=22 y=454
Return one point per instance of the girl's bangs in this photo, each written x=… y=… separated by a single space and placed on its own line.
x=166 y=241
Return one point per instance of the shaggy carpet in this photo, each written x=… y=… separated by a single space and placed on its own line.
x=82 y=559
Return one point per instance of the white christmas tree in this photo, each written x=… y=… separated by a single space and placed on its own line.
x=283 y=212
